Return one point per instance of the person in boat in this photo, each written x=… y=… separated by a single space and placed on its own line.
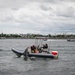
x=45 y=46
x=41 y=49
x=34 y=49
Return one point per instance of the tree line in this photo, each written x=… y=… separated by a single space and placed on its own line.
x=59 y=36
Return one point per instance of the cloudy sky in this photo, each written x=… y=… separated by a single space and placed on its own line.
x=37 y=16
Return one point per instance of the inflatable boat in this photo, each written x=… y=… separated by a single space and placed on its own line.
x=40 y=50
x=26 y=54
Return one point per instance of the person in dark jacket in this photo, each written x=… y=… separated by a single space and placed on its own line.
x=45 y=46
x=33 y=48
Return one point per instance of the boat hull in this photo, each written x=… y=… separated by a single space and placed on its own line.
x=41 y=55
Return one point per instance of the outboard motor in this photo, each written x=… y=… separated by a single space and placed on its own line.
x=26 y=54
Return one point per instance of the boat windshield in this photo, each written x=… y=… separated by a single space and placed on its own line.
x=40 y=41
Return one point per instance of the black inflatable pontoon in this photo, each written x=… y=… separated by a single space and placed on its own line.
x=41 y=55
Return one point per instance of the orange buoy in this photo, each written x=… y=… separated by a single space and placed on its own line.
x=54 y=52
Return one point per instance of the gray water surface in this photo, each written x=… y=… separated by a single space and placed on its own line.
x=11 y=65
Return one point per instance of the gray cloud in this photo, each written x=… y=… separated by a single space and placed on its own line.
x=65 y=12
x=45 y=7
x=37 y=16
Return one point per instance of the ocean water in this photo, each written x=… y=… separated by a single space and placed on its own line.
x=11 y=65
